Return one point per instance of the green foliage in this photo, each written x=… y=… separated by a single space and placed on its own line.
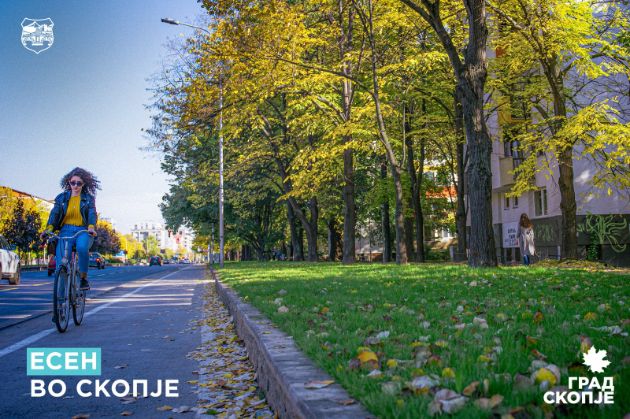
x=22 y=228
x=151 y=246
x=279 y=70
x=107 y=239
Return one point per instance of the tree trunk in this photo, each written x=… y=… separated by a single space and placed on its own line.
x=311 y=230
x=300 y=233
x=387 y=235
x=349 y=209
x=479 y=175
x=460 y=214
x=471 y=77
x=260 y=254
x=283 y=249
x=413 y=197
x=332 y=239
x=479 y=172
x=401 y=248
x=420 y=196
x=310 y=227
x=297 y=253
x=415 y=194
x=568 y=205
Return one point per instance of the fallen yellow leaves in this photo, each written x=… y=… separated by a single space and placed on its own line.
x=549 y=373
x=366 y=355
x=488 y=404
x=314 y=385
x=392 y=363
x=470 y=388
x=226 y=379
x=590 y=316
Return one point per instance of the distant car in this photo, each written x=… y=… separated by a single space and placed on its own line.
x=9 y=262
x=166 y=261
x=155 y=260
x=52 y=265
x=97 y=260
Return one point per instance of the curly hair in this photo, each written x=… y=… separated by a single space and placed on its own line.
x=525 y=221
x=90 y=182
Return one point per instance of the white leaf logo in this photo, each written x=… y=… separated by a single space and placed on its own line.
x=594 y=360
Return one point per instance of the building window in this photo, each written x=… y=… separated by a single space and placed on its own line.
x=507 y=203
x=515 y=202
x=511 y=146
x=540 y=201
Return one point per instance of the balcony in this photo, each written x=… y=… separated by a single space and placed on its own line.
x=506 y=166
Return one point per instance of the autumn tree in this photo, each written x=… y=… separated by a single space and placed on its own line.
x=22 y=228
x=107 y=239
x=470 y=72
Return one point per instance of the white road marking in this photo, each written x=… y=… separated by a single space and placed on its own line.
x=37 y=336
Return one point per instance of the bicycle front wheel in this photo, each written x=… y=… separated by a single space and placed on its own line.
x=61 y=300
x=78 y=303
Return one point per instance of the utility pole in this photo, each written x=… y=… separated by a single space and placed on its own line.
x=221 y=220
x=221 y=236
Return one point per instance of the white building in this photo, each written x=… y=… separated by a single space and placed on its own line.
x=603 y=219
x=166 y=239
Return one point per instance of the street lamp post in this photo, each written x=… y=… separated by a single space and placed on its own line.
x=221 y=221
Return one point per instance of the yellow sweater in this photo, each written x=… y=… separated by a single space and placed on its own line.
x=73 y=215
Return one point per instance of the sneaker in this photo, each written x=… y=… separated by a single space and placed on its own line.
x=85 y=285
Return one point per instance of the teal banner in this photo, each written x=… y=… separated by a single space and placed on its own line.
x=63 y=361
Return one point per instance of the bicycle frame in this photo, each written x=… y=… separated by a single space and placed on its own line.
x=64 y=258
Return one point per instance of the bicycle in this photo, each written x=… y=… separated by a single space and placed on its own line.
x=66 y=290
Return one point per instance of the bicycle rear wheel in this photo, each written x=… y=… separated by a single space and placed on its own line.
x=61 y=300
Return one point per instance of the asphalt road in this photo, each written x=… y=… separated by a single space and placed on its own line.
x=33 y=296
x=142 y=318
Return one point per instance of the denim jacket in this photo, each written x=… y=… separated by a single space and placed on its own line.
x=87 y=208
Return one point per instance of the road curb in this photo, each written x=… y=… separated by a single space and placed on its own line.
x=282 y=369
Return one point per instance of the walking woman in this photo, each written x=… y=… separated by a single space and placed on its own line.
x=75 y=210
x=526 y=238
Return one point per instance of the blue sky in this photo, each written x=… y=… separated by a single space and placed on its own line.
x=81 y=102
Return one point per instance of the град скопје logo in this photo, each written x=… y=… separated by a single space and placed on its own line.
x=585 y=390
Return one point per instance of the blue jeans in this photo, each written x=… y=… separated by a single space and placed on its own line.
x=83 y=243
x=526 y=260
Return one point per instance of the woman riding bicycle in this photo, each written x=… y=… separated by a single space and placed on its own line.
x=75 y=210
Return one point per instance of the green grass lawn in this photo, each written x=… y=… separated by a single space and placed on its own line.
x=449 y=325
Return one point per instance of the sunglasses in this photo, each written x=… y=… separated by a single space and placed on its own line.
x=76 y=183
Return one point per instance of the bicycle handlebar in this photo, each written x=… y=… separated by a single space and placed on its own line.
x=53 y=235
